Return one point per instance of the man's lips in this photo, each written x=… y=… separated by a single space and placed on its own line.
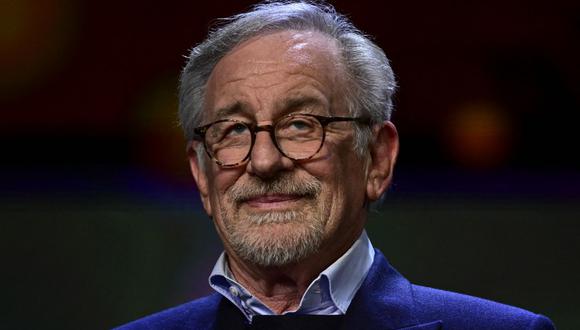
x=271 y=200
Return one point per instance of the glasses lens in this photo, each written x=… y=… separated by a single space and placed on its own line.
x=299 y=136
x=228 y=141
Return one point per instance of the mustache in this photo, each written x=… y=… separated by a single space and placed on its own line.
x=281 y=185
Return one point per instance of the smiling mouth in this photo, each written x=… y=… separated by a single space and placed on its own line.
x=274 y=201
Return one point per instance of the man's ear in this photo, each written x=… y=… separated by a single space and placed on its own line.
x=199 y=175
x=383 y=154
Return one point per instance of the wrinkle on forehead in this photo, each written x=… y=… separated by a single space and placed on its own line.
x=297 y=49
x=272 y=65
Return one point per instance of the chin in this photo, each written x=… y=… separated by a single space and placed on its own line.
x=274 y=239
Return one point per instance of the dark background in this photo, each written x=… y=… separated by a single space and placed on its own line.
x=101 y=223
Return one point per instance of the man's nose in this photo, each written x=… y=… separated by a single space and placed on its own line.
x=266 y=160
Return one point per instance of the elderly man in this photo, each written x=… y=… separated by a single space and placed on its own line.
x=287 y=111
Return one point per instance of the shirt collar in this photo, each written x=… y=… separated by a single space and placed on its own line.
x=330 y=293
x=346 y=275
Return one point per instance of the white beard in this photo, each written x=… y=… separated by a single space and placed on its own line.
x=275 y=238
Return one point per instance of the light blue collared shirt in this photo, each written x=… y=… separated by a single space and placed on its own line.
x=329 y=294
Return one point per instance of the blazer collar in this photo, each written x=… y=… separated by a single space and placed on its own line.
x=385 y=301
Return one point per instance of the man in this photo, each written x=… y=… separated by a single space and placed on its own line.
x=287 y=111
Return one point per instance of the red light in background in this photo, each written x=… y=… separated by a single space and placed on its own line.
x=479 y=136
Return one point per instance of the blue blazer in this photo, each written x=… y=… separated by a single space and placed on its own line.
x=386 y=300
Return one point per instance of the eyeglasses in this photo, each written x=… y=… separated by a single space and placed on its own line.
x=229 y=142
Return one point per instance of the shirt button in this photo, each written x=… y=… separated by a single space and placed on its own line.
x=234 y=291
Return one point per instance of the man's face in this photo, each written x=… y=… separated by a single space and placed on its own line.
x=274 y=211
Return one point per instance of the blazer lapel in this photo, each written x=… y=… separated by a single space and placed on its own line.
x=437 y=325
x=385 y=301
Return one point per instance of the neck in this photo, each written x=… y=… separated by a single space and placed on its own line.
x=281 y=287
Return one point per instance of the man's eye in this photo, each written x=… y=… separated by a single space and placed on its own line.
x=237 y=129
x=300 y=125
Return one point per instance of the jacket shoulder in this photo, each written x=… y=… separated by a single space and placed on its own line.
x=460 y=311
x=196 y=314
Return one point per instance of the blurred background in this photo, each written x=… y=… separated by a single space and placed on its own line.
x=100 y=222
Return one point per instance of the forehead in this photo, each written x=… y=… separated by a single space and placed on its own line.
x=266 y=68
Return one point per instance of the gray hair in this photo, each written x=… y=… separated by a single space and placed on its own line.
x=370 y=77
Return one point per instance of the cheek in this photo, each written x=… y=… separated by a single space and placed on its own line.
x=338 y=166
x=348 y=182
x=342 y=175
x=220 y=182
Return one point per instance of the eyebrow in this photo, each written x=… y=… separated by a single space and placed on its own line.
x=300 y=102
x=232 y=109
